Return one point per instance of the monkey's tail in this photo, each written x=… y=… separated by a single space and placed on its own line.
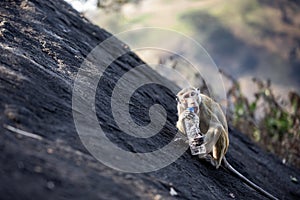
x=243 y=178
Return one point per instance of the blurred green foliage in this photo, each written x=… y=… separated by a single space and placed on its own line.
x=254 y=33
x=271 y=121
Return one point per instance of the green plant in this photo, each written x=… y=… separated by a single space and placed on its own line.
x=278 y=128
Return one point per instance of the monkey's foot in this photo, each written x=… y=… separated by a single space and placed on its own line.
x=208 y=158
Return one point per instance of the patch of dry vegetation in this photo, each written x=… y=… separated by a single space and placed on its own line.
x=269 y=120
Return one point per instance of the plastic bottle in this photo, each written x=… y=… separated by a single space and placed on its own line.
x=193 y=134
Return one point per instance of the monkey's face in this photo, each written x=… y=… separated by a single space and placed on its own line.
x=188 y=98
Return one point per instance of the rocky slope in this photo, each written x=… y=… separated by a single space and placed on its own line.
x=42 y=45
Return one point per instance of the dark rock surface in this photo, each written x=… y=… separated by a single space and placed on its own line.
x=42 y=45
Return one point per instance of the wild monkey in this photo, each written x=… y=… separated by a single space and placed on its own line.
x=213 y=128
x=212 y=123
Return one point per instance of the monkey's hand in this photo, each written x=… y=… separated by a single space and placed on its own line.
x=198 y=141
x=186 y=115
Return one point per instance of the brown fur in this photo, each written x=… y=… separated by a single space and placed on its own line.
x=212 y=124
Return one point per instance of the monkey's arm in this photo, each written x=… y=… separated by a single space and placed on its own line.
x=216 y=139
x=217 y=125
x=180 y=127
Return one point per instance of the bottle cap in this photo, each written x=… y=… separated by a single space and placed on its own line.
x=191 y=109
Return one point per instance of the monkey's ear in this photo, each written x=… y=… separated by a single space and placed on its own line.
x=199 y=96
x=177 y=99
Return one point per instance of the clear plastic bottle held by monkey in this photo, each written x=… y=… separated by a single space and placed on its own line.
x=193 y=133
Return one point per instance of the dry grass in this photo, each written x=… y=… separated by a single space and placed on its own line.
x=270 y=121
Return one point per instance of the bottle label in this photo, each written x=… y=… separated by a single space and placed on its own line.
x=193 y=131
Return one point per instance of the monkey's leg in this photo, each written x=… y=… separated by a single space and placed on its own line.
x=211 y=138
x=219 y=149
x=215 y=144
x=217 y=156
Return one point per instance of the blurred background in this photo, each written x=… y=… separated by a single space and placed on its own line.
x=255 y=44
x=247 y=38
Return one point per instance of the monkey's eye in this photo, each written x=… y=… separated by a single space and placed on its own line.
x=193 y=94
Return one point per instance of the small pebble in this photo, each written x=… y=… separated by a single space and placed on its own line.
x=157 y=197
x=173 y=192
x=294 y=179
x=50 y=151
x=50 y=185
x=37 y=169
